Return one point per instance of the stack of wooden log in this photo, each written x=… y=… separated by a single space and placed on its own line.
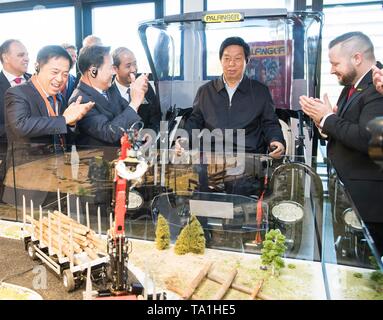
x=226 y=284
x=66 y=237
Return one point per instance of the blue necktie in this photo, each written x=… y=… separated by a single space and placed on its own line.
x=52 y=102
x=105 y=95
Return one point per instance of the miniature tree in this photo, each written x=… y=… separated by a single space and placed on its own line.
x=182 y=242
x=197 y=237
x=162 y=233
x=191 y=238
x=377 y=278
x=273 y=250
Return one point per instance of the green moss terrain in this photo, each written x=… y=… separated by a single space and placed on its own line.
x=303 y=282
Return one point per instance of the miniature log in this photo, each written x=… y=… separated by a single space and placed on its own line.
x=55 y=245
x=54 y=237
x=196 y=281
x=66 y=225
x=73 y=222
x=66 y=218
x=239 y=287
x=256 y=290
x=225 y=285
x=91 y=253
x=65 y=236
x=172 y=287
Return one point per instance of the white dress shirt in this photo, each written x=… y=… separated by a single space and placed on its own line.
x=123 y=91
x=11 y=78
x=329 y=114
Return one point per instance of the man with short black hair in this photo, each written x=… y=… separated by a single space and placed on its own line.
x=38 y=120
x=233 y=101
x=35 y=110
x=102 y=125
x=125 y=66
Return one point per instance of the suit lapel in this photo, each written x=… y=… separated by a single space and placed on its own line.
x=35 y=96
x=347 y=104
x=101 y=104
x=364 y=83
x=4 y=83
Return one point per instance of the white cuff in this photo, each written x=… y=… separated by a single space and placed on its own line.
x=324 y=119
x=133 y=107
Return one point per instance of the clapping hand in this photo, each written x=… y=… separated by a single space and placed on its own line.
x=138 y=89
x=76 y=111
x=377 y=77
x=315 y=108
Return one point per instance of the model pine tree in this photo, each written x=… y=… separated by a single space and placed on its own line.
x=197 y=237
x=273 y=250
x=162 y=233
x=191 y=238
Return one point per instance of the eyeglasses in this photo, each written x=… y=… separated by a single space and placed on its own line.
x=235 y=60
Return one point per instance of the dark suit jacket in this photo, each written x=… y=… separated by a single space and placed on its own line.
x=27 y=119
x=72 y=83
x=251 y=109
x=348 y=141
x=4 y=85
x=101 y=125
x=31 y=135
x=150 y=112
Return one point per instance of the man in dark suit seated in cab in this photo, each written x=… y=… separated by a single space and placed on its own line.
x=233 y=101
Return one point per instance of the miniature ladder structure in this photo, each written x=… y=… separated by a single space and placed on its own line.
x=225 y=283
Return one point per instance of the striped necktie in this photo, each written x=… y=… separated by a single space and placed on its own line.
x=58 y=141
x=105 y=95
x=128 y=93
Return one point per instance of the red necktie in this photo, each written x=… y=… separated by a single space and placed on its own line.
x=351 y=92
x=17 y=80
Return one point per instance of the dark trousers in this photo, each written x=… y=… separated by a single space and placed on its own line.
x=3 y=157
x=368 y=199
x=376 y=232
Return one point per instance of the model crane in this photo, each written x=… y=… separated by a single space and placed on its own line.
x=128 y=168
